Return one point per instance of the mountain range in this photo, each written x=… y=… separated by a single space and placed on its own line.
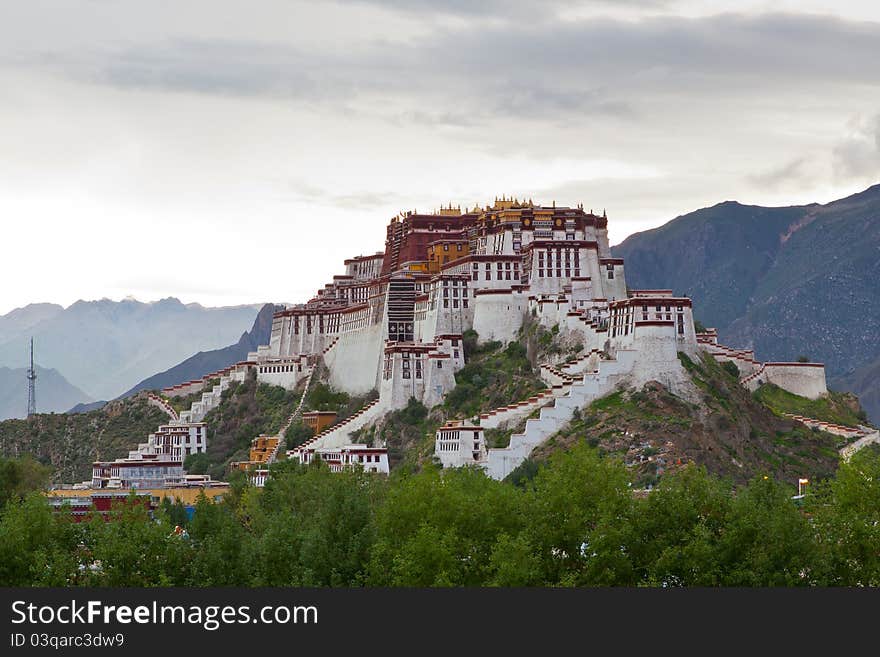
x=103 y=348
x=787 y=281
x=206 y=362
x=55 y=394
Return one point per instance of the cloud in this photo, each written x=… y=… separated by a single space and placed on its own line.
x=505 y=8
x=793 y=171
x=546 y=71
x=858 y=154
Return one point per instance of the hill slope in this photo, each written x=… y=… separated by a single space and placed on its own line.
x=70 y=442
x=104 y=347
x=729 y=431
x=787 y=281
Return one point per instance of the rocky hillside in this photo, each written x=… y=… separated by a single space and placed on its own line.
x=729 y=430
x=787 y=281
x=69 y=443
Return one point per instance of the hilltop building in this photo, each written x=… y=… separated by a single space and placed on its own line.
x=394 y=322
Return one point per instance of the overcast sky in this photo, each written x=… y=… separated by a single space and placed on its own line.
x=231 y=152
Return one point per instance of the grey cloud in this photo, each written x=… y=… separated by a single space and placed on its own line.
x=216 y=67
x=858 y=155
x=565 y=69
x=793 y=171
x=503 y=8
x=358 y=200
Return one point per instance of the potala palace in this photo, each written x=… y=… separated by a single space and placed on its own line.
x=394 y=321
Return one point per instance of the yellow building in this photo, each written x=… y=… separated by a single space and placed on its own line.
x=442 y=252
x=317 y=421
x=264 y=449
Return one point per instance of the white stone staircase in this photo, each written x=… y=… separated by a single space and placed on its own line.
x=582 y=391
x=338 y=435
x=297 y=412
x=208 y=402
x=864 y=435
x=162 y=404
x=872 y=436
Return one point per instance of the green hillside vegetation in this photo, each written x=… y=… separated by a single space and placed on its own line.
x=730 y=433
x=837 y=407
x=576 y=522
x=323 y=397
x=494 y=375
x=69 y=443
x=246 y=410
x=408 y=433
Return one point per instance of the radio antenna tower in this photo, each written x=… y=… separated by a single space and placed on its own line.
x=32 y=384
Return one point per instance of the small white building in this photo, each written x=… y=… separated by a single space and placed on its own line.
x=371 y=459
x=459 y=443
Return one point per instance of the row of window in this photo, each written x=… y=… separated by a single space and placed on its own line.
x=622 y=321
x=503 y=271
x=559 y=272
x=275 y=369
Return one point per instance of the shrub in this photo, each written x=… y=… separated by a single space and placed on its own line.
x=730 y=367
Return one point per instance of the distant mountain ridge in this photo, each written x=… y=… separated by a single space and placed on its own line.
x=206 y=362
x=105 y=347
x=788 y=281
x=55 y=394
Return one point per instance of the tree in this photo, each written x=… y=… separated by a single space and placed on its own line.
x=36 y=545
x=20 y=476
x=441 y=528
x=575 y=503
x=675 y=530
x=767 y=540
x=846 y=518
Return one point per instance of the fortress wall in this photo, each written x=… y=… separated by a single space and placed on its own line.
x=438 y=381
x=285 y=379
x=499 y=316
x=184 y=389
x=804 y=379
x=657 y=346
x=445 y=321
x=355 y=360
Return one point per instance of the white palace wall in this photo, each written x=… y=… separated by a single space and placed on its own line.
x=804 y=379
x=499 y=315
x=355 y=359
